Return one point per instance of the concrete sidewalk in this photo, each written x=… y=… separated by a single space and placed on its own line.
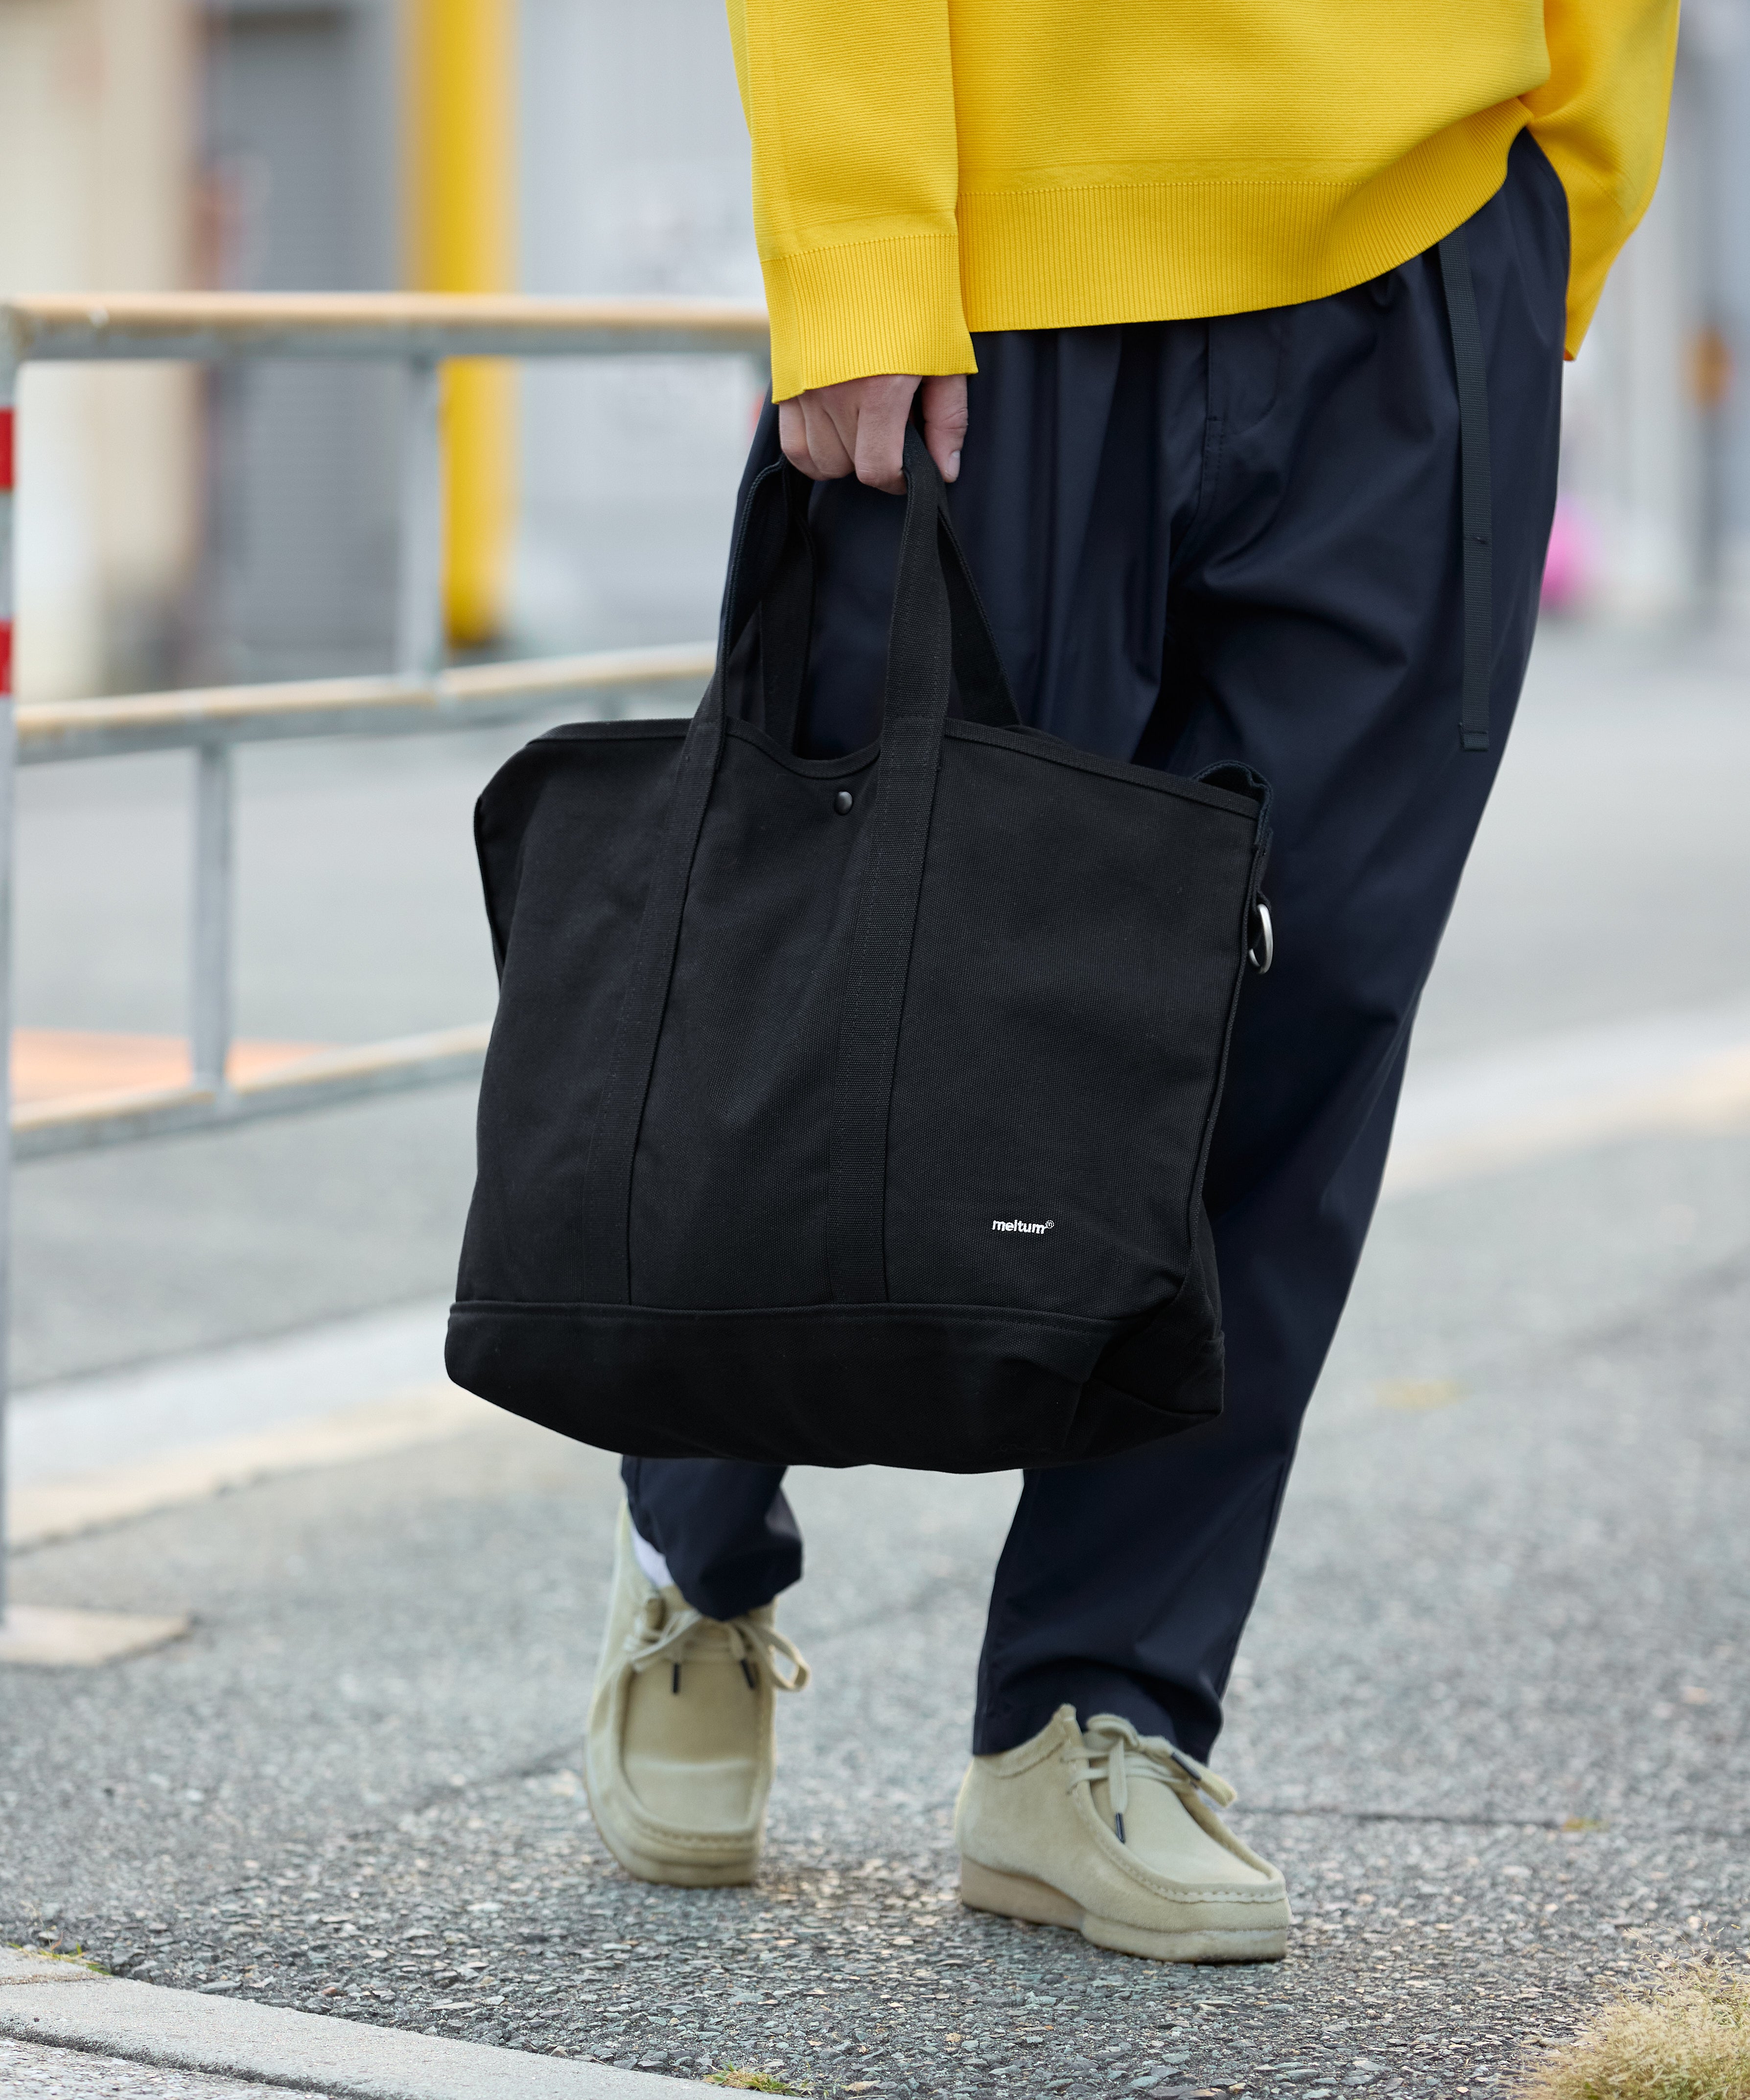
x=39 y=2071
x=77 y=2024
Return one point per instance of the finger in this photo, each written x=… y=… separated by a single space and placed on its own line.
x=944 y=420
x=827 y=449
x=880 y=446
x=792 y=438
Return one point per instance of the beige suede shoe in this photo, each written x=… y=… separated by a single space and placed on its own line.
x=1108 y=1832
x=678 y=1762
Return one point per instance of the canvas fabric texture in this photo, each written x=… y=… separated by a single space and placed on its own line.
x=854 y=1109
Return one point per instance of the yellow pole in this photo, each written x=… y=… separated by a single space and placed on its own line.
x=461 y=237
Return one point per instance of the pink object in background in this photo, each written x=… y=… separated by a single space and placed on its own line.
x=1571 y=566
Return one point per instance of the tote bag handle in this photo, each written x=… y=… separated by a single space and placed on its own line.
x=930 y=614
x=915 y=714
x=771 y=571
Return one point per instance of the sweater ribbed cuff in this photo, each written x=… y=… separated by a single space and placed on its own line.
x=865 y=308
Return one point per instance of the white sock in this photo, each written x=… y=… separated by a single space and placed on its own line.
x=656 y=1568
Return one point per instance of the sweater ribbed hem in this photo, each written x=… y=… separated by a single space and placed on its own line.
x=1082 y=257
x=1089 y=255
x=866 y=307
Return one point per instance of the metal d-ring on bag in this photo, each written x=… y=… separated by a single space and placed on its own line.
x=855 y=1109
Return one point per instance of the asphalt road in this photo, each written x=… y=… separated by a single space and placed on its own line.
x=1493 y=1716
x=1609 y=883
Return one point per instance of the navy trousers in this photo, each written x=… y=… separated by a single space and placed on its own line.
x=1226 y=539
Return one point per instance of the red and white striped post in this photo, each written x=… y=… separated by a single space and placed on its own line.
x=8 y=478
x=8 y=750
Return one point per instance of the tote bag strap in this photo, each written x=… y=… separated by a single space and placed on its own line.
x=914 y=713
x=927 y=613
x=763 y=533
x=773 y=574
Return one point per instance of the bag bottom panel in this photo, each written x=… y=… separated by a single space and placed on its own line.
x=928 y=1387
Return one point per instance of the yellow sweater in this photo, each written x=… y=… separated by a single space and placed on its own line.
x=924 y=168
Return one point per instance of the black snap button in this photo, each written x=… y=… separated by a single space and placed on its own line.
x=842 y=801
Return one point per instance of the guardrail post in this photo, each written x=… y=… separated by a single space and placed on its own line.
x=418 y=331
x=211 y=944
x=419 y=633
x=8 y=740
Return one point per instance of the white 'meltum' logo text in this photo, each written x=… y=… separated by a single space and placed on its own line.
x=1019 y=1225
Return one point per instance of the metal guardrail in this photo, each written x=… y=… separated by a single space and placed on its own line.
x=220 y=327
x=418 y=331
x=461 y=699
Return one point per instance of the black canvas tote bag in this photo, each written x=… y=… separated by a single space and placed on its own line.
x=852 y=1109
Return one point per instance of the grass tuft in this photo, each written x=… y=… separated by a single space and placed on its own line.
x=749 y=2081
x=75 y=1954
x=1686 y=2038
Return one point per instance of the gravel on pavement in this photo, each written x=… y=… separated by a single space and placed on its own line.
x=1492 y=1715
x=1490 y=1718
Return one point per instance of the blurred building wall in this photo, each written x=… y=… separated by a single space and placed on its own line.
x=97 y=136
x=1656 y=436
x=300 y=146
x=634 y=178
x=352 y=145
x=244 y=524
x=1720 y=35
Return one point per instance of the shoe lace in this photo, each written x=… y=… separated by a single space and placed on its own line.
x=659 y=1635
x=1112 y=1749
